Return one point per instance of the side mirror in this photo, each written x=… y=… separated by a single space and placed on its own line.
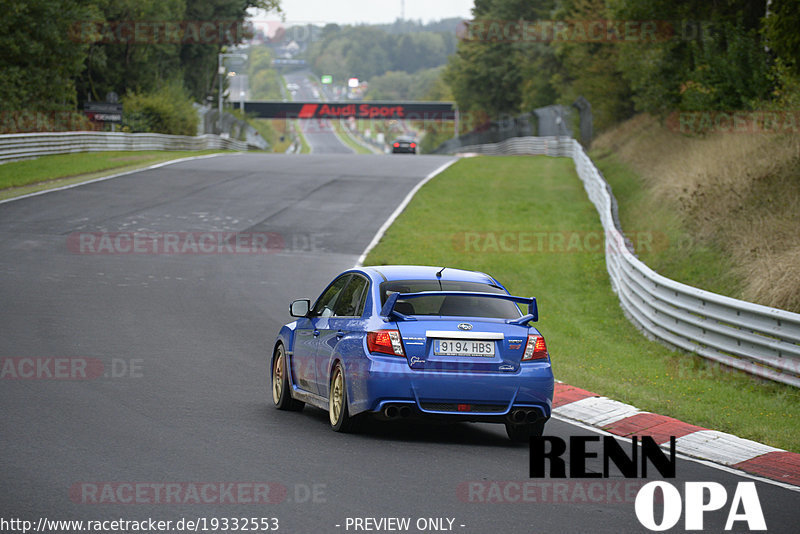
x=300 y=308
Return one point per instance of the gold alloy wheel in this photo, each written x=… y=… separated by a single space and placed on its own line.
x=277 y=375
x=336 y=403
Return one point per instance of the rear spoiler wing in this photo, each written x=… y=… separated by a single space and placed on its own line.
x=389 y=312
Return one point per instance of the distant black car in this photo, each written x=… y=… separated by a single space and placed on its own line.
x=404 y=145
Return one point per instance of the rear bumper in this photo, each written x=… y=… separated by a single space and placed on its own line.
x=463 y=395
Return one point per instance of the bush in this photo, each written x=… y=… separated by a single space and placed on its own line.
x=166 y=110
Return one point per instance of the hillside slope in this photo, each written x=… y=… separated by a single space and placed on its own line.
x=720 y=212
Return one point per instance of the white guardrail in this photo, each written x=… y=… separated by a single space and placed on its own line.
x=756 y=339
x=18 y=146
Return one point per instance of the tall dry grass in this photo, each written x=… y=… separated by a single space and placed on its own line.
x=740 y=191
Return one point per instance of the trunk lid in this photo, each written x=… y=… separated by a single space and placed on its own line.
x=468 y=344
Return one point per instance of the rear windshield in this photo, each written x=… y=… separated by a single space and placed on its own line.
x=453 y=306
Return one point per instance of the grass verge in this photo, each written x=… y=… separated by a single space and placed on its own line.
x=47 y=172
x=528 y=222
x=305 y=148
x=347 y=140
x=273 y=131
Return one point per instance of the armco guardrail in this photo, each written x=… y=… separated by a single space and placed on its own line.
x=756 y=339
x=547 y=146
x=18 y=146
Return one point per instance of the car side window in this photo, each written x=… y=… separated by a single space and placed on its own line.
x=351 y=300
x=326 y=302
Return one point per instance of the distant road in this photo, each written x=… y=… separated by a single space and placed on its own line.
x=318 y=133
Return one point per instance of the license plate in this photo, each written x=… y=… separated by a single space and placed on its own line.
x=463 y=347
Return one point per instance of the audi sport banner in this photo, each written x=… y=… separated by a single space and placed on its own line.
x=358 y=110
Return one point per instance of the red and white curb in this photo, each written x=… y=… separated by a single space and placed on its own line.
x=718 y=447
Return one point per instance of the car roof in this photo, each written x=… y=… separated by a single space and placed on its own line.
x=424 y=272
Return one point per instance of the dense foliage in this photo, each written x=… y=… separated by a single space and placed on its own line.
x=60 y=53
x=166 y=110
x=264 y=81
x=366 y=52
x=400 y=85
x=726 y=55
x=729 y=55
x=40 y=64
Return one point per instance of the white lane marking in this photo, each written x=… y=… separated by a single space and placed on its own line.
x=600 y=411
x=721 y=447
x=109 y=177
x=399 y=210
x=712 y=445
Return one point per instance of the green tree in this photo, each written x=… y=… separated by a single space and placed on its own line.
x=499 y=74
x=717 y=64
x=40 y=57
x=199 y=61
x=58 y=53
x=731 y=71
x=399 y=85
x=166 y=110
x=780 y=29
x=589 y=69
x=120 y=59
x=369 y=51
x=264 y=80
x=115 y=63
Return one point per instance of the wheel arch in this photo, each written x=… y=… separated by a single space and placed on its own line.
x=338 y=359
x=286 y=338
x=353 y=378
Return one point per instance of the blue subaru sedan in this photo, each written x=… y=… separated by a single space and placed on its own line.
x=415 y=342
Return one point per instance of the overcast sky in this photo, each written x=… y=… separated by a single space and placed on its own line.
x=368 y=11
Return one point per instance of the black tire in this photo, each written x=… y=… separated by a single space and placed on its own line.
x=338 y=412
x=521 y=433
x=281 y=392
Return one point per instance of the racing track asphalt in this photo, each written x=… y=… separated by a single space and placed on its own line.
x=197 y=330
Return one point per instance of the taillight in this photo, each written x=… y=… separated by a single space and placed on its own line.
x=413 y=145
x=386 y=342
x=396 y=145
x=536 y=349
